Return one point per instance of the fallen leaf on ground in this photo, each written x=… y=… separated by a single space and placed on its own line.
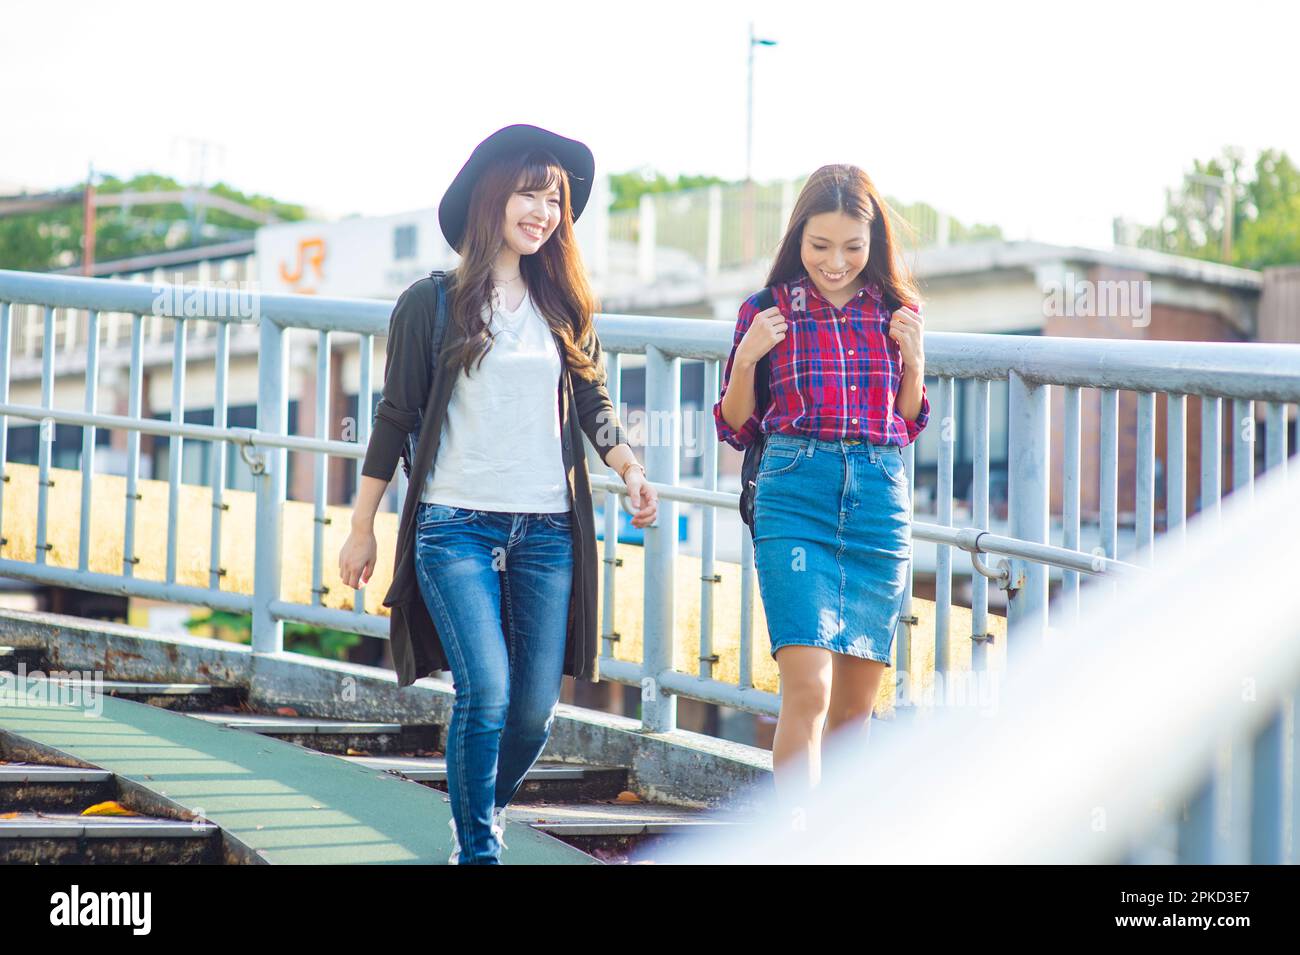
x=110 y=808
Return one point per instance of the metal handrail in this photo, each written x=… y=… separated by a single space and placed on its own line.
x=1238 y=372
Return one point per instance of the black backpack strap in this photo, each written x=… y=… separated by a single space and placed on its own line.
x=754 y=450
x=439 y=312
x=762 y=375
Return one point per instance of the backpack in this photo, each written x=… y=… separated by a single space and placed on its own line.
x=754 y=450
x=439 y=333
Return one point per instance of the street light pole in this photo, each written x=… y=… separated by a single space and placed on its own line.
x=749 y=109
x=749 y=102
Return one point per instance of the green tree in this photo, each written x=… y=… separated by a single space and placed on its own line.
x=627 y=188
x=51 y=238
x=1270 y=232
x=1265 y=211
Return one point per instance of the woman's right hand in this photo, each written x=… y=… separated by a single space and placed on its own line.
x=357 y=558
x=764 y=333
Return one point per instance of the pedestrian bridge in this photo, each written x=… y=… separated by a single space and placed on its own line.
x=674 y=625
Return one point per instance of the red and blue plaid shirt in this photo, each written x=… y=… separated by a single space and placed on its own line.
x=834 y=375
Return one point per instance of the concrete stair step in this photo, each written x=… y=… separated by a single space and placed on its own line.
x=34 y=787
x=277 y=801
x=171 y=696
x=65 y=837
x=43 y=772
x=548 y=779
x=138 y=687
x=620 y=819
x=621 y=832
x=330 y=735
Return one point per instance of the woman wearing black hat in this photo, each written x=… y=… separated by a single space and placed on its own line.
x=495 y=535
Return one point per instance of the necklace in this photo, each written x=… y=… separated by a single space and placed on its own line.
x=507 y=320
x=506 y=281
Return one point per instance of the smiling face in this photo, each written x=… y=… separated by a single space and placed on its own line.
x=834 y=250
x=532 y=215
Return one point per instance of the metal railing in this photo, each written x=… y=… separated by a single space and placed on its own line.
x=1157 y=730
x=71 y=332
x=1210 y=373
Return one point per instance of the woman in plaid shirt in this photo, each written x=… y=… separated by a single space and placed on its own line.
x=832 y=508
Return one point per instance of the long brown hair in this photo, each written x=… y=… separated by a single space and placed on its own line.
x=554 y=274
x=846 y=188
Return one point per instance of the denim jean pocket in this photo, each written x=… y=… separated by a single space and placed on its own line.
x=561 y=521
x=442 y=515
x=778 y=459
x=891 y=465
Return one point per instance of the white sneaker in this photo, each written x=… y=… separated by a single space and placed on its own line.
x=499 y=825
x=498 y=830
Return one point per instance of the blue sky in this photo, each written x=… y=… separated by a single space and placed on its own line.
x=1048 y=119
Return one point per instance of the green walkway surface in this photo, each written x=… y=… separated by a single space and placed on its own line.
x=289 y=804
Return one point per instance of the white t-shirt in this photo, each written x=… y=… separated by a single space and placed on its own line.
x=500 y=446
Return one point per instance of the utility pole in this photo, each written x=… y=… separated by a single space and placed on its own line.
x=88 y=224
x=199 y=152
x=1226 y=190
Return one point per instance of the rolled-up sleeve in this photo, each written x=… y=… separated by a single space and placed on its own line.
x=407 y=371
x=596 y=414
x=749 y=430
x=915 y=427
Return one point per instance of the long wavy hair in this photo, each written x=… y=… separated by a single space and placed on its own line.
x=846 y=188
x=554 y=274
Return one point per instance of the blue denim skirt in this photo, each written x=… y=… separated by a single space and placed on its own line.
x=832 y=543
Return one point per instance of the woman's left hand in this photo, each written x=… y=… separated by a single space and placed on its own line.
x=905 y=330
x=643 y=497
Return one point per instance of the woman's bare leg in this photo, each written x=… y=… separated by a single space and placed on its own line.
x=855 y=682
x=805 y=697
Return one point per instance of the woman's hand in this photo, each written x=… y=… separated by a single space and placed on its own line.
x=643 y=497
x=357 y=558
x=765 y=332
x=905 y=330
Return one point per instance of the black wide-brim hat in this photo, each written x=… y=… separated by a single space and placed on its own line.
x=574 y=156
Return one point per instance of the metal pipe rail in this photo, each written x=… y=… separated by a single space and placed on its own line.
x=1222 y=378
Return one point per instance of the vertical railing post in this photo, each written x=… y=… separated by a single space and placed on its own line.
x=6 y=342
x=980 y=634
x=272 y=418
x=663 y=408
x=611 y=505
x=946 y=399
x=366 y=350
x=88 y=437
x=709 y=579
x=1029 y=434
x=46 y=434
